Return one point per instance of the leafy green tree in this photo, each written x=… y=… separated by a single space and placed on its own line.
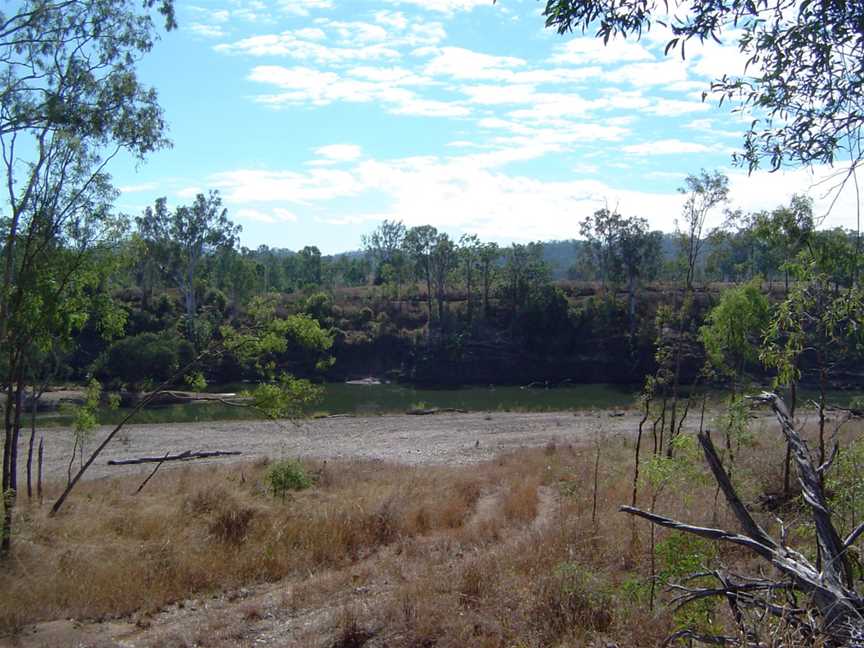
x=444 y=260
x=182 y=240
x=489 y=256
x=705 y=192
x=310 y=266
x=139 y=361
x=238 y=274
x=71 y=102
x=835 y=255
x=420 y=245
x=385 y=247
x=601 y=254
x=524 y=274
x=270 y=344
x=620 y=249
x=786 y=230
x=469 y=261
x=733 y=330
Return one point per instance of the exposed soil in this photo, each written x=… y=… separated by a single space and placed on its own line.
x=449 y=438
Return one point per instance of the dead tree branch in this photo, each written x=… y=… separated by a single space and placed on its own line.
x=188 y=455
x=836 y=610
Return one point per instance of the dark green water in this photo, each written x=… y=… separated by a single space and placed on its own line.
x=365 y=400
x=387 y=399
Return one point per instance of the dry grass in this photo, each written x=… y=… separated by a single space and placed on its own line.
x=501 y=554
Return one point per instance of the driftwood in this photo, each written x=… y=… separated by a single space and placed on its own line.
x=175 y=397
x=425 y=411
x=835 y=611
x=183 y=456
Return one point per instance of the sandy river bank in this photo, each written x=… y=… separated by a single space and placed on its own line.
x=450 y=438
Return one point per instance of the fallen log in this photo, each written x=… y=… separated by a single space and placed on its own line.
x=183 y=456
x=420 y=411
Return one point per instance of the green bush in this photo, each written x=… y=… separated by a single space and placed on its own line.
x=139 y=360
x=287 y=475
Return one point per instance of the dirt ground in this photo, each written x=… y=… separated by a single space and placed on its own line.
x=280 y=614
x=446 y=438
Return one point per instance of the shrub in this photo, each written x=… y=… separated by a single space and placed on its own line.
x=145 y=358
x=287 y=475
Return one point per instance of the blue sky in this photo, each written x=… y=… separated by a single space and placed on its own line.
x=317 y=119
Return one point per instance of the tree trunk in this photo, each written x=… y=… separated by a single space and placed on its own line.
x=631 y=304
x=34 y=408
x=39 y=469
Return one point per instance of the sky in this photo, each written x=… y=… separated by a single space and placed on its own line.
x=318 y=119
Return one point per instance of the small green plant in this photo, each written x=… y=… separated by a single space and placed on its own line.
x=681 y=555
x=635 y=589
x=287 y=475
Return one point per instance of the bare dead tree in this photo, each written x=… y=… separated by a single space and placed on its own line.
x=830 y=611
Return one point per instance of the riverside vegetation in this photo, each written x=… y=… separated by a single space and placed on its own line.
x=524 y=551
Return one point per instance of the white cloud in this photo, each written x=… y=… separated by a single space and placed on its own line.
x=396 y=75
x=138 y=188
x=660 y=73
x=207 y=31
x=339 y=152
x=461 y=63
x=304 y=7
x=582 y=50
x=251 y=186
x=766 y=190
x=497 y=94
x=289 y=45
x=353 y=41
x=304 y=86
x=676 y=107
x=271 y=216
x=666 y=147
x=710 y=126
x=444 y=6
x=394 y=19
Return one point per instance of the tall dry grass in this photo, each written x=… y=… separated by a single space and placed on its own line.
x=500 y=554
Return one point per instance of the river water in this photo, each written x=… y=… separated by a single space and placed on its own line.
x=365 y=400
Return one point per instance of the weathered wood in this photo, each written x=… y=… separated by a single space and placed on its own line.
x=837 y=565
x=423 y=411
x=188 y=455
x=837 y=609
x=150 y=476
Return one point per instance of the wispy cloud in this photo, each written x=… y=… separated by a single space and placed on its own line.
x=443 y=6
x=666 y=147
x=333 y=153
x=271 y=216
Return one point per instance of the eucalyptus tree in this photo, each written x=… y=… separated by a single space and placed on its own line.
x=786 y=230
x=420 y=243
x=469 y=261
x=489 y=257
x=310 y=266
x=523 y=274
x=601 y=231
x=444 y=260
x=182 y=239
x=386 y=249
x=620 y=249
x=70 y=102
